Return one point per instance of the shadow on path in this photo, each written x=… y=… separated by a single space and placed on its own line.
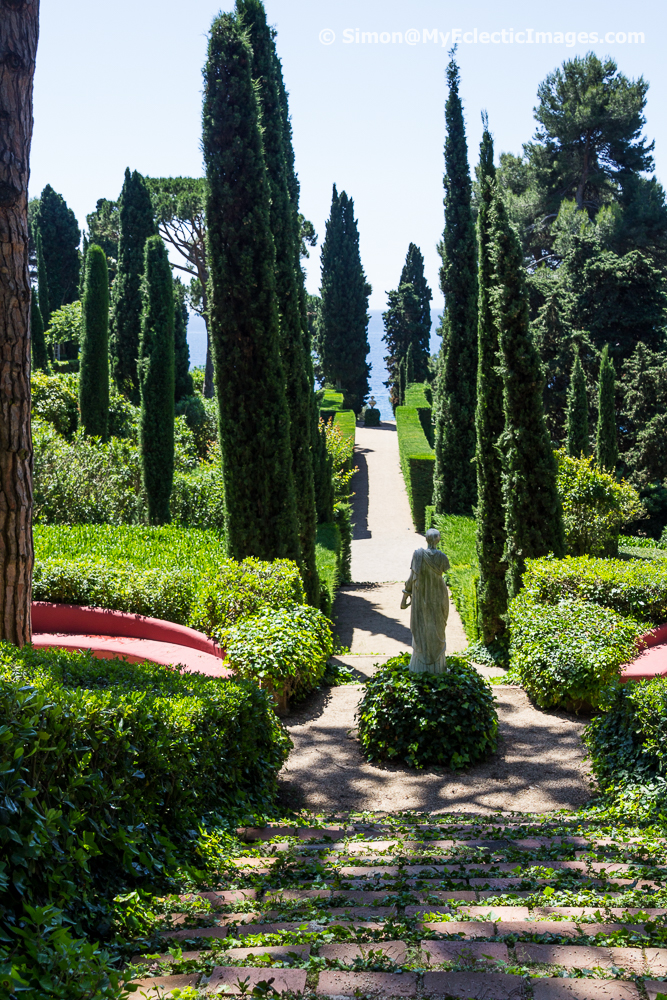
x=361 y=496
x=355 y=608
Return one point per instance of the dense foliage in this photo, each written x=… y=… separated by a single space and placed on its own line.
x=458 y=542
x=578 y=440
x=407 y=324
x=427 y=719
x=40 y=358
x=595 y=506
x=94 y=361
x=60 y=236
x=606 y=440
x=417 y=462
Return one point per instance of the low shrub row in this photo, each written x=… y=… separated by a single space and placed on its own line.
x=328 y=557
x=420 y=396
x=417 y=463
x=458 y=541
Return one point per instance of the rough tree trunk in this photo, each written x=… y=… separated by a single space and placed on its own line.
x=19 y=30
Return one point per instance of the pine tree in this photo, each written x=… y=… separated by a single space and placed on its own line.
x=183 y=384
x=60 y=236
x=94 y=363
x=260 y=506
x=533 y=514
x=136 y=225
x=286 y=237
x=577 y=411
x=408 y=321
x=40 y=358
x=490 y=422
x=606 y=450
x=454 y=480
x=42 y=281
x=155 y=372
x=343 y=344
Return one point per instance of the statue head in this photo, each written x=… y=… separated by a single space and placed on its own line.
x=432 y=538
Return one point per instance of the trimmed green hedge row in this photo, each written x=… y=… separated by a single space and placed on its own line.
x=346 y=420
x=458 y=541
x=417 y=463
x=420 y=396
x=328 y=551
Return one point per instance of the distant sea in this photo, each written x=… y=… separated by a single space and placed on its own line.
x=197 y=344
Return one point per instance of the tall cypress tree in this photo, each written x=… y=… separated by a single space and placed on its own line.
x=60 y=236
x=577 y=411
x=136 y=225
x=407 y=321
x=183 y=384
x=454 y=480
x=40 y=358
x=260 y=505
x=42 y=281
x=606 y=444
x=155 y=372
x=284 y=227
x=343 y=341
x=533 y=514
x=94 y=363
x=489 y=421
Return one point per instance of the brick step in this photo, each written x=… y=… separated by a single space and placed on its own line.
x=523 y=928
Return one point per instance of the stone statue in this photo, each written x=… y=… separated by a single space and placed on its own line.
x=426 y=595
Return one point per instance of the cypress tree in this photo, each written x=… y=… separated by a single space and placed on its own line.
x=155 y=372
x=407 y=322
x=60 y=236
x=260 y=506
x=489 y=422
x=40 y=359
x=136 y=225
x=286 y=237
x=606 y=444
x=344 y=323
x=183 y=384
x=42 y=281
x=577 y=411
x=533 y=515
x=454 y=480
x=94 y=363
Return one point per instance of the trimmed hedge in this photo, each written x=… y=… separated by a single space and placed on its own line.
x=420 y=396
x=104 y=765
x=458 y=539
x=346 y=420
x=633 y=588
x=328 y=557
x=417 y=463
x=565 y=654
x=371 y=417
x=425 y=719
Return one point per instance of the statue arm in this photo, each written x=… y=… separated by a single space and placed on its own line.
x=407 y=590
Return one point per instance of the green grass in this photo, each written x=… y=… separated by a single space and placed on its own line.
x=168 y=547
x=347 y=422
x=327 y=556
x=417 y=462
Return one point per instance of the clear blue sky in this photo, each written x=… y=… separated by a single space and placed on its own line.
x=120 y=85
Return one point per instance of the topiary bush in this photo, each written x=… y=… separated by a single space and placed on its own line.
x=426 y=719
x=285 y=650
x=565 y=654
x=371 y=417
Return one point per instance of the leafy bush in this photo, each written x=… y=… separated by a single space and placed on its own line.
x=340 y=448
x=55 y=399
x=327 y=555
x=285 y=650
x=420 y=396
x=417 y=462
x=565 y=654
x=426 y=719
x=595 y=506
x=202 y=419
x=371 y=417
x=65 y=324
x=198 y=498
x=635 y=588
x=105 y=764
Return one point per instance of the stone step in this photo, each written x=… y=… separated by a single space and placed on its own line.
x=349 y=951
x=228 y=979
x=585 y=957
x=162 y=986
x=584 y=989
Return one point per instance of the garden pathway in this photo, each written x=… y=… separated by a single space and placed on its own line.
x=539 y=764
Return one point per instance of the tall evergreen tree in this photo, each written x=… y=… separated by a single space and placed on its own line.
x=260 y=505
x=454 y=480
x=489 y=421
x=286 y=238
x=94 y=363
x=533 y=514
x=155 y=371
x=136 y=225
x=40 y=358
x=42 y=281
x=60 y=235
x=606 y=443
x=183 y=384
x=408 y=321
x=343 y=344
x=577 y=411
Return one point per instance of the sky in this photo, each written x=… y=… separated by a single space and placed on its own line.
x=120 y=85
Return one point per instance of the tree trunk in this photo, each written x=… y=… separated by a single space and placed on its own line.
x=19 y=30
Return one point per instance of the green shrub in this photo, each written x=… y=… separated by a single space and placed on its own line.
x=641 y=542
x=417 y=463
x=458 y=539
x=107 y=767
x=346 y=421
x=330 y=399
x=420 y=396
x=198 y=498
x=55 y=398
x=328 y=556
x=565 y=654
x=595 y=506
x=285 y=650
x=371 y=417
x=426 y=719
x=202 y=419
x=65 y=324
x=635 y=588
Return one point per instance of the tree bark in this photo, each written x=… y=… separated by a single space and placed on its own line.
x=19 y=31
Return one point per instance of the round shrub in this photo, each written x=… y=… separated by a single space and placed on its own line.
x=425 y=719
x=371 y=417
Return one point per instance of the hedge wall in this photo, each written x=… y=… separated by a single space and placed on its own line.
x=420 y=396
x=458 y=541
x=417 y=462
x=347 y=421
x=328 y=556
